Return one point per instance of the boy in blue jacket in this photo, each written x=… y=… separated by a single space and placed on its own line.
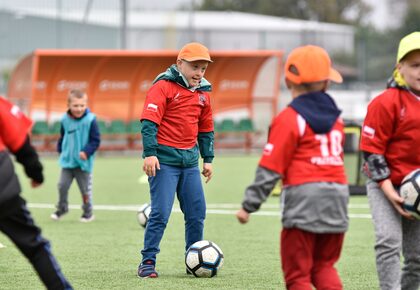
x=78 y=142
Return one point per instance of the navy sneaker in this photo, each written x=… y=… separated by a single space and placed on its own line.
x=147 y=270
x=58 y=214
x=87 y=217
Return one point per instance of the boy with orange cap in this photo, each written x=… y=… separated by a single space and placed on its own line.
x=305 y=150
x=177 y=126
x=390 y=143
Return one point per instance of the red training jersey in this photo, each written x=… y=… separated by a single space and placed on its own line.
x=392 y=128
x=14 y=126
x=180 y=113
x=301 y=156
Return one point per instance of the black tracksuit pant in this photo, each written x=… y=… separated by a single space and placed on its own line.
x=17 y=223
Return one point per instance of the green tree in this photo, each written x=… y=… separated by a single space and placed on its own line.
x=333 y=11
x=379 y=49
x=412 y=18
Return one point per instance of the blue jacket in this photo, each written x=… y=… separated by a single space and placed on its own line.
x=78 y=135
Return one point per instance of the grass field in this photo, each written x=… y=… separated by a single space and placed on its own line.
x=105 y=254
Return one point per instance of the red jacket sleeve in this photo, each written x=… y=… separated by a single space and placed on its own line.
x=155 y=103
x=282 y=142
x=378 y=125
x=206 y=120
x=15 y=126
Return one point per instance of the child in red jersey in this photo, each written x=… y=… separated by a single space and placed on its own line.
x=177 y=126
x=15 y=219
x=391 y=146
x=305 y=150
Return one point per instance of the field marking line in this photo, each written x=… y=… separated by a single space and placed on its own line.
x=211 y=209
x=274 y=206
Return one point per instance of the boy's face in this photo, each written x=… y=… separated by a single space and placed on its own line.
x=409 y=68
x=77 y=106
x=193 y=71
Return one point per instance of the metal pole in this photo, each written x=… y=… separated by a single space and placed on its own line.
x=84 y=22
x=123 y=30
x=58 y=28
x=191 y=31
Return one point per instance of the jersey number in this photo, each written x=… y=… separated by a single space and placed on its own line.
x=334 y=139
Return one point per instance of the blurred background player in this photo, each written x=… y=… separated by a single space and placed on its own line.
x=15 y=219
x=305 y=150
x=177 y=125
x=391 y=147
x=78 y=142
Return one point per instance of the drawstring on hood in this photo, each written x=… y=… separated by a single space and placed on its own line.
x=318 y=109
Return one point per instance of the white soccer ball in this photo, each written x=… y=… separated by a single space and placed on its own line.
x=143 y=214
x=410 y=191
x=204 y=259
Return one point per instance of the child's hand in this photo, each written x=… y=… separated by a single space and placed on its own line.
x=207 y=171
x=242 y=216
x=35 y=184
x=150 y=165
x=83 y=155
x=395 y=199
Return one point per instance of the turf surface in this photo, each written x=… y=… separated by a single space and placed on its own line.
x=104 y=254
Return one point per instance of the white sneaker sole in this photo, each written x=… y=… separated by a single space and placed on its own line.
x=85 y=220
x=55 y=217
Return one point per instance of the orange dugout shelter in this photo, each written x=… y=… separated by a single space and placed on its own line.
x=117 y=81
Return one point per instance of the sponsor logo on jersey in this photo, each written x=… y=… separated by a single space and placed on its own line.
x=152 y=107
x=268 y=148
x=368 y=132
x=327 y=160
x=402 y=113
x=201 y=99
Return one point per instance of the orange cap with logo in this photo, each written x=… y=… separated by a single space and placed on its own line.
x=194 y=51
x=309 y=64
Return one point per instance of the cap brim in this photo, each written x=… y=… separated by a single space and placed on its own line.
x=403 y=53
x=335 y=76
x=197 y=58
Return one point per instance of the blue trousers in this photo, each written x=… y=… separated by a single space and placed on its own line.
x=186 y=182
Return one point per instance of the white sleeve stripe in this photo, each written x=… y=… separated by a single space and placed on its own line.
x=301 y=125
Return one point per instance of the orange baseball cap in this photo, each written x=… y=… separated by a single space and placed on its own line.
x=194 y=51
x=309 y=64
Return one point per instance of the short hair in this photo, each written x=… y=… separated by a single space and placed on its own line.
x=74 y=93
x=309 y=87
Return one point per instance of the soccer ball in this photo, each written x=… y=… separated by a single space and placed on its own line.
x=143 y=214
x=410 y=191
x=204 y=259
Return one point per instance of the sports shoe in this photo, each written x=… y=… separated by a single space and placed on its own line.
x=147 y=270
x=87 y=217
x=58 y=214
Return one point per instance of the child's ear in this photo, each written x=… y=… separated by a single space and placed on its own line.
x=288 y=84
x=398 y=66
x=325 y=86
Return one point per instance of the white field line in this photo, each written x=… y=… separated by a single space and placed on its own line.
x=227 y=209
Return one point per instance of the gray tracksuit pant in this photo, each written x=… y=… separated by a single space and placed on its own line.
x=84 y=181
x=394 y=234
